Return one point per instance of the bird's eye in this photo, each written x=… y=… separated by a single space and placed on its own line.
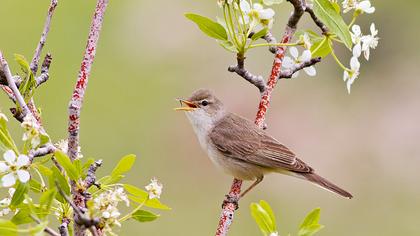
x=204 y=103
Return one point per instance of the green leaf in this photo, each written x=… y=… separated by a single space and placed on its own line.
x=28 y=83
x=263 y=219
x=63 y=183
x=35 y=186
x=22 y=217
x=108 y=179
x=7 y=228
x=144 y=216
x=268 y=209
x=310 y=224
x=259 y=34
x=141 y=197
x=321 y=48
x=208 y=26
x=46 y=200
x=6 y=139
x=124 y=165
x=271 y=2
x=68 y=166
x=19 y=194
x=326 y=12
x=228 y=45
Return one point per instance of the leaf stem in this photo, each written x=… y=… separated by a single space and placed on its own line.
x=274 y=44
x=126 y=217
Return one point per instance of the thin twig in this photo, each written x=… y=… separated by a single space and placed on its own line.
x=42 y=151
x=287 y=74
x=91 y=174
x=64 y=227
x=239 y=69
x=269 y=37
x=38 y=50
x=317 y=21
x=81 y=218
x=47 y=230
x=229 y=208
x=12 y=85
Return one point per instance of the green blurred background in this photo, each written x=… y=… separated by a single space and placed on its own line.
x=150 y=54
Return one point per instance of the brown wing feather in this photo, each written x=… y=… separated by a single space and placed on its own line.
x=239 y=138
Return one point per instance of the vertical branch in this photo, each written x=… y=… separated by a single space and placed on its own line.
x=229 y=208
x=82 y=80
x=37 y=54
x=75 y=106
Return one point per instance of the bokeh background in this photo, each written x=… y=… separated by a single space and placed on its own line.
x=149 y=54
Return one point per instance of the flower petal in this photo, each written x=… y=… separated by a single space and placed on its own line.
x=294 y=52
x=245 y=7
x=4 y=167
x=310 y=70
x=296 y=74
x=373 y=29
x=357 y=50
x=306 y=56
x=23 y=175
x=257 y=6
x=266 y=14
x=288 y=62
x=8 y=180
x=354 y=64
x=356 y=30
x=10 y=156
x=22 y=160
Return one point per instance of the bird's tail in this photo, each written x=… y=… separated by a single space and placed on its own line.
x=318 y=180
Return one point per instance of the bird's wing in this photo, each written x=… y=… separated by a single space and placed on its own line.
x=239 y=138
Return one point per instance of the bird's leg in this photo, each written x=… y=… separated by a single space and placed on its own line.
x=259 y=179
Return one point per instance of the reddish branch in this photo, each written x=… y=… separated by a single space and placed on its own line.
x=79 y=196
x=230 y=207
x=82 y=80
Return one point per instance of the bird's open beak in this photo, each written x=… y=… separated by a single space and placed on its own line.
x=189 y=106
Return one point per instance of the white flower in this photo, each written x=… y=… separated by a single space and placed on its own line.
x=274 y=234
x=350 y=76
x=154 y=188
x=107 y=204
x=364 y=6
x=256 y=14
x=14 y=167
x=63 y=145
x=31 y=130
x=306 y=41
x=369 y=41
x=356 y=37
x=5 y=203
x=289 y=63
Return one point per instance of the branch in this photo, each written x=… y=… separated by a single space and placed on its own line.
x=91 y=177
x=64 y=227
x=271 y=40
x=258 y=81
x=317 y=21
x=35 y=59
x=287 y=74
x=12 y=85
x=44 y=76
x=81 y=218
x=229 y=208
x=82 y=80
x=47 y=230
x=42 y=151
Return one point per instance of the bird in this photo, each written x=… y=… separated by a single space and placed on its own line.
x=240 y=148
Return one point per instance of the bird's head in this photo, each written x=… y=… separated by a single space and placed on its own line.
x=202 y=107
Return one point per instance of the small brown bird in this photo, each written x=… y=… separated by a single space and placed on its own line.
x=240 y=148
